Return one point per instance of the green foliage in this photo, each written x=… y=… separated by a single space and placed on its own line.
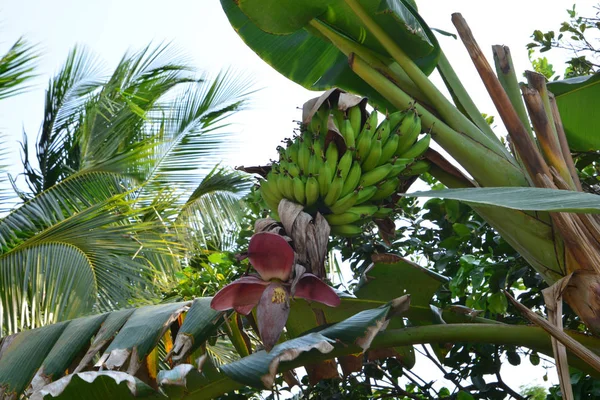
x=574 y=35
x=17 y=67
x=542 y=66
x=206 y=274
x=534 y=392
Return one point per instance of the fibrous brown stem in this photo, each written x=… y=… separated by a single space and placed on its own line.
x=534 y=163
x=544 y=129
x=564 y=145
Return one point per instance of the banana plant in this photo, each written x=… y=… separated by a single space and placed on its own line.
x=384 y=50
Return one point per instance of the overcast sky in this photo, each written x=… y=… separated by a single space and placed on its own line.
x=201 y=30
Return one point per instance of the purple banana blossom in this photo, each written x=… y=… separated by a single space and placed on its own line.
x=273 y=258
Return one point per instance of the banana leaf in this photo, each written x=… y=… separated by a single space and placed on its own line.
x=577 y=100
x=529 y=199
x=283 y=38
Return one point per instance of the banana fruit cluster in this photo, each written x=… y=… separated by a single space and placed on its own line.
x=353 y=185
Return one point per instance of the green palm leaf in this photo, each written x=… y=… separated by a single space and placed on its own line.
x=66 y=93
x=44 y=283
x=93 y=214
x=192 y=134
x=16 y=68
x=214 y=211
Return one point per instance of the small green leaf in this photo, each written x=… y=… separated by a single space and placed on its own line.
x=464 y=396
x=497 y=303
x=461 y=230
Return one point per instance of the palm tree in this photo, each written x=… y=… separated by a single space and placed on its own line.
x=117 y=158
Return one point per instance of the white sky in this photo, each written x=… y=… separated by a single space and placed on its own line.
x=201 y=30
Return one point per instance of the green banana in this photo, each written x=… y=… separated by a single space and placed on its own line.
x=355 y=116
x=383 y=212
x=345 y=164
x=314 y=163
x=371 y=124
x=304 y=154
x=335 y=189
x=325 y=177
x=311 y=190
x=348 y=133
x=416 y=168
x=364 y=210
x=363 y=146
x=338 y=117
x=293 y=170
x=292 y=151
x=396 y=170
x=272 y=186
x=386 y=189
x=395 y=120
x=317 y=148
x=389 y=149
x=331 y=156
x=374 y=155
x=383 y=130
x=347 y=230
x=344 y=203
x=281 y=182
x=375 y=175
x=369 y=127
x=342 y=219
x=315 y=124
x=271 y=202
x=409 y=130
x=418 y=148
x=365 y=194
x=299 y=190
x=351 y=181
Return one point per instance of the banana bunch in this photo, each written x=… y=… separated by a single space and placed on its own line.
x=348 y=186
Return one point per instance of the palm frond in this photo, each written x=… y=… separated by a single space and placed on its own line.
x=121 y=128
x=94 y=214
x=66 y=94
x=69 y=197
x=193 y=135
x=213 y=213
x=43 y=284
x=6 y=195
x=16 y=68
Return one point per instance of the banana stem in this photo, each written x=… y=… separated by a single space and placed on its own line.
x=508 y=79
x=451 y=115
x=545 y=131
x=347 y=46
x=525 y=146
x=486 y=166
x=545 y=127
x=461 y=97
x=564 y=145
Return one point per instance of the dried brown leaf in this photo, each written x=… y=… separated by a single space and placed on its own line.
x=323 y=370
x=350 y=363
x=288 y=212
